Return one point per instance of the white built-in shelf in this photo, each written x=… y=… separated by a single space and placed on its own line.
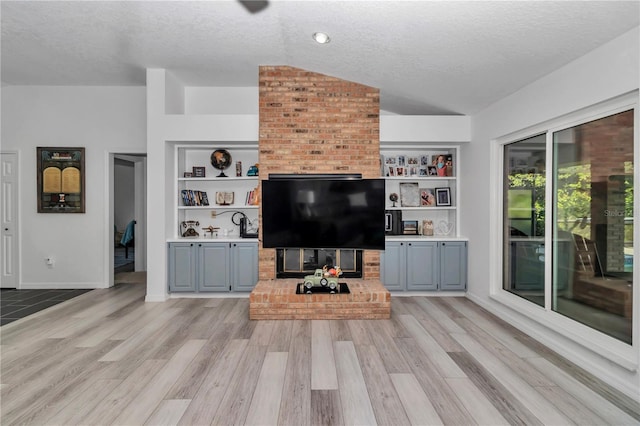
x=216 y=207
x=425 y=209
x=218 y=179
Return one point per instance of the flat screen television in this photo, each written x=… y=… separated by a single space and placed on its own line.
x=323 y=213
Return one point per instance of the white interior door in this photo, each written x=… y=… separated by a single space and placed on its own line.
x=9 y=213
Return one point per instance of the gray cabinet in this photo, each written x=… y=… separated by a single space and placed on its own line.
x=393 y=266
x=415 y=265
x=453 y=265
x=182 y=267
x=212 y=267
x=422 y=265
x=244 y=266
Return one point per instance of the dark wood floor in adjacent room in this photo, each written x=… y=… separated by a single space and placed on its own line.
x=106 y=357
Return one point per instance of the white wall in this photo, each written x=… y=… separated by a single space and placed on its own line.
x=97 y=118
x=607 y=72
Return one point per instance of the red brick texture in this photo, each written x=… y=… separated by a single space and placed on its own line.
x=313 y=123
x=277 y=299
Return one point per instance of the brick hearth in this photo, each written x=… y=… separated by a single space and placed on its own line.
x=277 y=299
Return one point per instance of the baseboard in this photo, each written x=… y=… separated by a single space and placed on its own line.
x=61 y=286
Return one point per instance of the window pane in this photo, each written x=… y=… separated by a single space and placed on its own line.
x=524 y=186
x=593 y=224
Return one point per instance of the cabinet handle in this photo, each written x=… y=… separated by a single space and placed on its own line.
x=409 y=244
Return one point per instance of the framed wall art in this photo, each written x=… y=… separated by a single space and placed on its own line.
x=61 y=182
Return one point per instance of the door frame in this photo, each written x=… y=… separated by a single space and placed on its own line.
x=140 y=207
x=16 y=198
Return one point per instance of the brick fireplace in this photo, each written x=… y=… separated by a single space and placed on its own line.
x=313 y=123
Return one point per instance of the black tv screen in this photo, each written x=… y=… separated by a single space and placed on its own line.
x=323 y=213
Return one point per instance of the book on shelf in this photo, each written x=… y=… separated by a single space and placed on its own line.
x=194 y=198
x=252 y=198
x=224 y=198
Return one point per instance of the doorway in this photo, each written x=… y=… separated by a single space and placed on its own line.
x=127 y=218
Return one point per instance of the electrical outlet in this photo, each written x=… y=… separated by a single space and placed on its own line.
x=213 y=214
x=49 y=261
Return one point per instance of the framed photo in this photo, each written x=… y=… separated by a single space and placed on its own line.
x=409 y=194
x=443 y=164
x=432 y=170
x=410 y=227
x=61 y=184
x=198 y=172
x=443 y=197
x=188 y=174
x=392 y=171
x=427 y=197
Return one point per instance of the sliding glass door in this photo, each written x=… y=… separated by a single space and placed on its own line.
x=593 y=224
x=590 y=261
x=524 y=215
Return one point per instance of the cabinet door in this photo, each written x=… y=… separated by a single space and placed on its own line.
x=393 y=266
x=182 y=267
x=214 y=267
x=453 y=265
x=244 y=270
x=422 y=265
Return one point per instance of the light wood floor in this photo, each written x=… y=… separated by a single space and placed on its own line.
x=106 y=357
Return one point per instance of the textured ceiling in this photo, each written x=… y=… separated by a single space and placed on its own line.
x=426 y=57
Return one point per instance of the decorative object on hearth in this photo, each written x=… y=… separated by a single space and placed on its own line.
x=221 y=160
x=393 y=197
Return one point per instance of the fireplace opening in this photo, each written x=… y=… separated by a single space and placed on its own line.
x=298 y=262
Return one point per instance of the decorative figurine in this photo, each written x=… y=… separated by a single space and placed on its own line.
x=210 y=229
x=394 y=198
x=189 y=225
x=325 y=277
x=253 y=170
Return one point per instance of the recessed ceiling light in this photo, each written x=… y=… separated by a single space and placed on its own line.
x=321 y=38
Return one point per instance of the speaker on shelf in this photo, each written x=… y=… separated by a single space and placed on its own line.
x=393 y=222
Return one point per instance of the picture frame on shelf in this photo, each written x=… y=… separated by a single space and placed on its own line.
x=432 y=171
x=424 y=160
x=427 y=197
x=443 y=197
x=410 y=227
x=391 y=171
x=443 y=164
x=409 y=194
x=423 y=171
x=188 y=174
x=401 y=160
x=199 y=172
x=413 y=161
